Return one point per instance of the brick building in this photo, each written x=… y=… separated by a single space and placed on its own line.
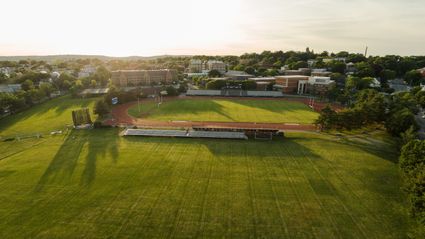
x=125 y=78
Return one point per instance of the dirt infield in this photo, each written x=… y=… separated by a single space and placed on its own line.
x=121 y=117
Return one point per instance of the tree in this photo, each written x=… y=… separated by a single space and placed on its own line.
x=403 y=100
x=357 y=83
x=412 y=165
x=27 y=85
x=337 y=67
x=214 y=73
x=387 y=75
x=171 y=91
x=299 y=64
x=413 y=78
x=102 y=75
x=46 y=89
x=364 y=70
x=61 y=81
x=93 y=83
x=338 y=78
x=407 y=136
x=3 y=78
x=215 y=84
x=400 y=121
x=101 y=108
x=372 y=106
x=250 y=70
x=327 y=118
x=420 y=98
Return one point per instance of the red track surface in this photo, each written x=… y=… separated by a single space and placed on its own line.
x=121 y=117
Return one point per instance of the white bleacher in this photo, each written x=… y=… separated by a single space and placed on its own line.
x=234 y=93
x=184 y=134
x=204 y=92
x=264 y=93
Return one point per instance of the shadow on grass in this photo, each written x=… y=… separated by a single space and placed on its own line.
x=237 y=148
x=381 y=150
x=58 y=105
x=62 y=167
x=176 y=107
x=275 y=106
x=98 y=147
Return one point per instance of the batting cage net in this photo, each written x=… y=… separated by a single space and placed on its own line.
x=81 y=117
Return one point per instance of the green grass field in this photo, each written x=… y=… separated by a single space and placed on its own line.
x=51 y=115
x=265 y=111
x=95 y=184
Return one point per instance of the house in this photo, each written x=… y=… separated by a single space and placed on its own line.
x=319 y=85
x=238 y=75
x=300 y=71
x=86 y=71
x=375 y=83
x=7 y=70
x=10 y=88
x=351 y=67
x=126 y=78
x=216 y=65
x=320 y=72
x=311 y=63
x=340 y=59
x=263 y=82
x=398 y=85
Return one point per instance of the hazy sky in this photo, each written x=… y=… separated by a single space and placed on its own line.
x=140 y=27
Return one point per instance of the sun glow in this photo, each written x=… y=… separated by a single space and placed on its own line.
x=125 y=27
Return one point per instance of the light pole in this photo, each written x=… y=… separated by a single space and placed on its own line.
x=138 y=100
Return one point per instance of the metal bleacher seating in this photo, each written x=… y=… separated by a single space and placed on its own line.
x=184 y=134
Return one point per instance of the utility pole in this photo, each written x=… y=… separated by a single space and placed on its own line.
x=365 y=52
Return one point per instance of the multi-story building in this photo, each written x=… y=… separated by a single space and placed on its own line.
x=238 y=75
x=196 y=66
x=126 y=78
x=300 y=84
x=216 y=65
x=318 y=85
x=289 y=83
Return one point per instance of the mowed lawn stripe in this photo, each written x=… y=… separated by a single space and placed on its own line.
x=302 y=186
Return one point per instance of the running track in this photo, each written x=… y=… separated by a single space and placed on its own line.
x=121 y=117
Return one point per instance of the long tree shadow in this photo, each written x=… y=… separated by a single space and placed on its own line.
x=275 y=106
x=98 y=148
x=187 y=106
x=229 y=147
x=62 y=167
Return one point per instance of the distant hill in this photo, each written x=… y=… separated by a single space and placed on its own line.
x=51 y=58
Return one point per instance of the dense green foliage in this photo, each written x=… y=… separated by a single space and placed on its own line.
x=396 y=112
x=412 y=164
x=101 y=108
